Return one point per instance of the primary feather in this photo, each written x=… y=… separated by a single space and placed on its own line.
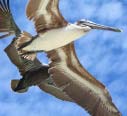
x=7 y=23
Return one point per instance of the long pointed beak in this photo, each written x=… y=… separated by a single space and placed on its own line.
x=93 y=25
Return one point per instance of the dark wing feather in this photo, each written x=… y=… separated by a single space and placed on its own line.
x=75 y=81
x=7 y=23
x=45 y=14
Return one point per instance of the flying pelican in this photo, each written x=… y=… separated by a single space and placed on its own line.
x=55 y=37
x=65 y=68
x=50 y=25
x=32 y=72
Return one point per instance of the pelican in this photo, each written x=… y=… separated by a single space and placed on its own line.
x=32 y=72
x=55 y=37
x=50 y=26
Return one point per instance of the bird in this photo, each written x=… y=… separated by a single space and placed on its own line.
x=50 y=25
x=55 y=36
x=32 y=72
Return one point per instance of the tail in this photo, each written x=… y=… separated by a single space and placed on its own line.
x=7 y=23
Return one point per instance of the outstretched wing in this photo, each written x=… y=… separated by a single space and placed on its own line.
x=85 y=90
x=45 y=14
x=7 y=24
x=34 y=74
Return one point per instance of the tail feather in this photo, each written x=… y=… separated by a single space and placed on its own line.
x=7 y=23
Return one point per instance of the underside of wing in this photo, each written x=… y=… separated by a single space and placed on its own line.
x=85 y=90
x=45 y=14
x=55 y=91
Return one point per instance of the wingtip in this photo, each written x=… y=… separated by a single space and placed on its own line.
x=120 y=30
x=117 y=30
x=15 y=87
x=14 y=84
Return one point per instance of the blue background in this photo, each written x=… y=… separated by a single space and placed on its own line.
x=102 y=53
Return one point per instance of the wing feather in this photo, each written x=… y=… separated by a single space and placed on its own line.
x=53 y=90
x=75 y=81
x=7 y=23
x=45 y=14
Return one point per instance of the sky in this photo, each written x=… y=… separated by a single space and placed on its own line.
x=102 y=53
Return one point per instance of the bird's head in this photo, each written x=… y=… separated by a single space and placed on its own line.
x=86 y=24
